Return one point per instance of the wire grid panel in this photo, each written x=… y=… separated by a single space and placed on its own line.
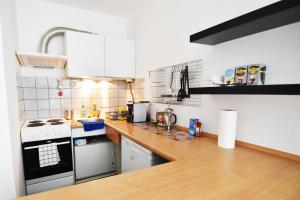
x=165 y=83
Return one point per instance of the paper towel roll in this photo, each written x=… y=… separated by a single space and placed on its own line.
x=227 y=128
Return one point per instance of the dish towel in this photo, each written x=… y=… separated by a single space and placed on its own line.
x=48 y=155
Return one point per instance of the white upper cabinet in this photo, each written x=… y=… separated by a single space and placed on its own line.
x=119 y=58
x=85 y=54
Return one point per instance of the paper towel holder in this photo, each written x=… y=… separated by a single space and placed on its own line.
x=227 y=128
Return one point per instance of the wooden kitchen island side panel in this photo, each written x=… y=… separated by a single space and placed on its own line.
x=201 y=170
x=113 y=135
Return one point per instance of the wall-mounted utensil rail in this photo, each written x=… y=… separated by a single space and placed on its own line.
x=166 y=82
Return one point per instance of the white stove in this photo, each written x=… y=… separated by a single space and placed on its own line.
x=47 y=154
x=45 y=129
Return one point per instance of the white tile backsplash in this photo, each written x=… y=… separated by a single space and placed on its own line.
x=104 y=110
x=19 y=81
x=66 y=103
x=39 y=96
x=31 y=115
x=114 y=84
x=87 y=102
x=123 y=102
x=113 y=93
x=55 y=113
x=105 y=102
x=42 y=93
x=52 y=82
x=55 y=104
x=67 y=94
x=43 y=104
x=44 y=114
x=98 y=102
x=104 y=93
x=76 y=93
x=29 y=82
x=76 y=103
x=66 y=84
x=29 y=93
x=30 y=105
x=53 y=94
x=20 y=91
x=122 y=93
x=113 y=109
x=41 y=82
x=113 y=102
x=75 y=84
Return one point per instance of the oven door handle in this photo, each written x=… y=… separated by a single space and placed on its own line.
x=35 y=147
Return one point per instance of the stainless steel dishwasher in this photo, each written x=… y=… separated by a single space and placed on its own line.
x=94 y=156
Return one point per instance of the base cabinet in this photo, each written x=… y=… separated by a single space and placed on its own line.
x=134 y=156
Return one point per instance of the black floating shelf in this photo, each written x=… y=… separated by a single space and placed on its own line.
x=272 y=16
x=288 y=89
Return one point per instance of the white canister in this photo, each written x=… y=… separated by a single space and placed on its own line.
x=227 y=128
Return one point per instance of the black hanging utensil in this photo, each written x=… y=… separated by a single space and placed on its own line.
x=187 y=81
x=171 y=80
x=184 y=84
x=180 y=91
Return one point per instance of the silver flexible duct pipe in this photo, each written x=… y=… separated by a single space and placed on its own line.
x=53 y=32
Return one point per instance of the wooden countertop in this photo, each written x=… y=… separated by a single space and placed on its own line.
x=75 y=124
x=200 y=170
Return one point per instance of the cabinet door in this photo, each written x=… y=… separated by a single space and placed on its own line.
x=134 y=156
x=85 y=54
x=126 y=156
x=119 y=58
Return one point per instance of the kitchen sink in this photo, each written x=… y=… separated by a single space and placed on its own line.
x=153 y=128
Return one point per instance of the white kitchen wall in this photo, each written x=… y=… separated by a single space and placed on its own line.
x=7 y=188
x=35 y=17
x=11 y=170
x=162 y=29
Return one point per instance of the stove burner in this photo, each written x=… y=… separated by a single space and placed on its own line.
x=54 y=120
x=36 y=124
x=35 y=121
x=57 y=123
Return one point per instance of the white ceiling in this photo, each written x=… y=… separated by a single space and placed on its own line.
x=120 y=8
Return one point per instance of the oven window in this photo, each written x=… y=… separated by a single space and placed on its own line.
x=46 y=158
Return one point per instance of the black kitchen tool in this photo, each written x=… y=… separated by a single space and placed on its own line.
x=187 y=80
x=180 y=95
x=171 y=79
x=184 y=84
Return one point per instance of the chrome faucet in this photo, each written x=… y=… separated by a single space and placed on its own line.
x=170 y=118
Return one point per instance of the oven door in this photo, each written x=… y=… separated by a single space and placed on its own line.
x=47 y=157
